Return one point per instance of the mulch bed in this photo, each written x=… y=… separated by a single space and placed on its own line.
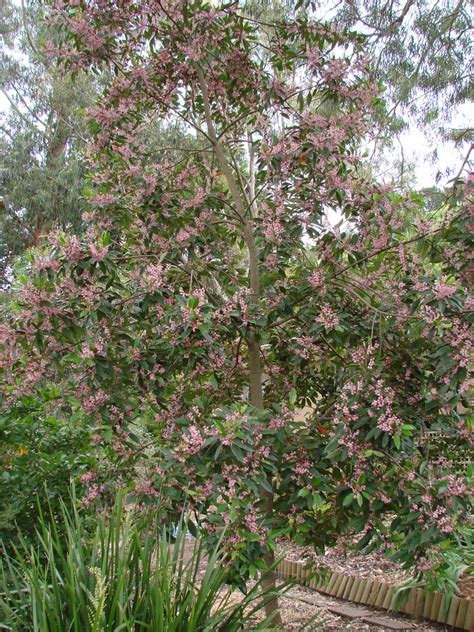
x=375 y=566
x=305 y=609
x=297 y=610
x=466 y=586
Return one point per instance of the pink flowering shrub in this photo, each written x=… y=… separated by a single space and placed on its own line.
x=212 y=297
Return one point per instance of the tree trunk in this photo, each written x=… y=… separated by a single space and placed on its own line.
x=254 y=361
x=256 y=399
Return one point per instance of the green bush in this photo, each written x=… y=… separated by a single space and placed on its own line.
x=131 y=575
x=40 y=451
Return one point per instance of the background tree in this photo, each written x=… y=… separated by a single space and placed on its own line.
x=422 y=51
x=41 y=135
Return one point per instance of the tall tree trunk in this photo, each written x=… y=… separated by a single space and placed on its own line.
x=242 y=207
x=256 y=399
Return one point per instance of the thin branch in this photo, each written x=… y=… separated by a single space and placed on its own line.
x=237 y=353
x=335 y=351
x=357 y=263
x=386 y=249
x=456 y=178
x=27 y=29
x=19 y=112
x=35 y=116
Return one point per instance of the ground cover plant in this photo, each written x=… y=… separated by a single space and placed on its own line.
x=223 y=284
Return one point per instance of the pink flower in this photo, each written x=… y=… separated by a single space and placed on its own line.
x=145 y=488
x=424 y=564
x=153 y=276
x=316 y=279
x=328 y=318
x=98 y=252
x=72 y=250
x=314 y=57
x=442 y=290
x=92 y=494
x=87 y=477
x=193 y=441
x=45 y=263
x=103 y=199
x=251 y=520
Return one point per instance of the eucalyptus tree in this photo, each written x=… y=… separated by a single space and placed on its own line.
x=41 y=135
x=422 y=51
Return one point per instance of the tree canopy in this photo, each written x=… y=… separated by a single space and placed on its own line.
x=222 y=285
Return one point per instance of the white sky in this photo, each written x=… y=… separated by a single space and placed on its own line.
x=417 y=148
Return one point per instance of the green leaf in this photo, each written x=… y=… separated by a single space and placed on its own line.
x=72 y=357
x=317 y=500
x=371 y=452
x=292 y=397
x=237 y=452
x=265 y=483
x=348 y=499
x=204 y=330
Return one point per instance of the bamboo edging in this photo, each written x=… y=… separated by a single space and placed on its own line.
x=417 y=603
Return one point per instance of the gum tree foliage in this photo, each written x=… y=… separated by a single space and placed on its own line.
x=41 y=133
x=422 y=50
x=212 y=297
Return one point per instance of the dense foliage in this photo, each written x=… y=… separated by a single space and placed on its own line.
x=421 y=51
x=39 y=454
x=260 y=271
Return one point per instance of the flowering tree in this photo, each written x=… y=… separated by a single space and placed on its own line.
x=212 y=295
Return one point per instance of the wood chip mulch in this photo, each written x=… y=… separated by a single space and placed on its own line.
x=375 y=566
x=300 y=612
